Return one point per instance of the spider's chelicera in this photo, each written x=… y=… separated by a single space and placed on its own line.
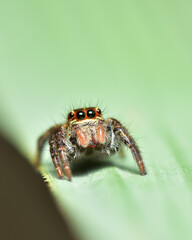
x=86 y=131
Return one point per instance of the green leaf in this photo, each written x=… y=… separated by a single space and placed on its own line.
x=133 y=57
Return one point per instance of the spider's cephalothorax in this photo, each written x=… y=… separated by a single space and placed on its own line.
x=86 y=131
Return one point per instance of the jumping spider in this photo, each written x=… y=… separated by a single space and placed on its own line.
x=86 y=131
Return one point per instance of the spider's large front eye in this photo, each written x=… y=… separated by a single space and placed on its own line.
x=80 y=115
x=90 y=113
x=71 y=114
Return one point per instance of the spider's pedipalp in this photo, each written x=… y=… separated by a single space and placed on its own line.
x=127 y=139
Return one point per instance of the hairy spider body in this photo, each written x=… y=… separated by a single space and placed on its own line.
x=86 y=132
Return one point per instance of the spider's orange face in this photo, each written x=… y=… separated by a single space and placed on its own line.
x=81 y=114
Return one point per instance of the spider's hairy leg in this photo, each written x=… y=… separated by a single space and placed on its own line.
x=41 y=142
x=54 y=153
x=62 y=149
x=128 y=141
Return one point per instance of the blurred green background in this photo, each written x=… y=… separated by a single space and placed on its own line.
x=132 y=58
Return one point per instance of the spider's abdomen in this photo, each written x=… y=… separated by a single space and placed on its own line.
x=90 y=136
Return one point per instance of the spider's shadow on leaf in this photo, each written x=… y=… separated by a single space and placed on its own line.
x=84 y=166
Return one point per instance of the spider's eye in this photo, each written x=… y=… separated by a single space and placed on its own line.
x=80 y=115
x=90 y=113
x=98 y=111
x=71 y=114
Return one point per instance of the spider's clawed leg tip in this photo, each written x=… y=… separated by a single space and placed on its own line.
x=61 y=177
x=144 y=173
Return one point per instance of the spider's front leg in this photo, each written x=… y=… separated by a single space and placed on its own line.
x=41 y=142
x=54 y=154
x=128 y=141
x=64 y=149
